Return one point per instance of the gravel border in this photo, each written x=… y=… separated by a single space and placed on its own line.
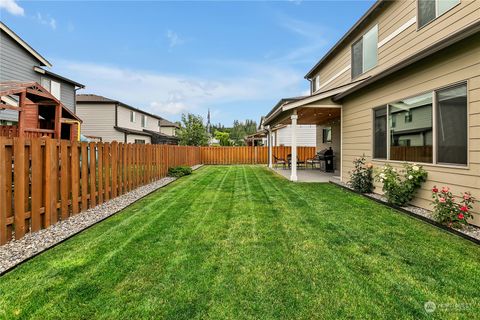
x=468 y=232
x=16 y=252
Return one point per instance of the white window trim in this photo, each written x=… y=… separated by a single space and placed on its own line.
x=57 y=85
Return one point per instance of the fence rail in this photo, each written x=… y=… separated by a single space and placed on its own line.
x=43 y=180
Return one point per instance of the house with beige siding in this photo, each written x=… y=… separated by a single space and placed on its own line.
x=111 y=120
x=402 y=85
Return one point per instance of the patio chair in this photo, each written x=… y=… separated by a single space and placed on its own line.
x=279 y=161
x=315 y=161
x=299 y=163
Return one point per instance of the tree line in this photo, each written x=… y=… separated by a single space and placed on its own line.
x=193 y=132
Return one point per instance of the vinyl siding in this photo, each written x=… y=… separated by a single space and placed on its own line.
x=405 y=44
x=455 y=64
x=124 y=120
x=168 y=131
x=306 y=136
x=99 y=120
x=17 y=64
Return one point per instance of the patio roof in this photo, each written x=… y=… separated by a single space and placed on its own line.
x=308 y=107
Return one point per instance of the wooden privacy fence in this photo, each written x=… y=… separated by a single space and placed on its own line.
x=250 y=155
x=43 y=181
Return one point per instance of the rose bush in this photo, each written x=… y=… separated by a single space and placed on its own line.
x=448 y=211
x=400 y=186
x=361 y=177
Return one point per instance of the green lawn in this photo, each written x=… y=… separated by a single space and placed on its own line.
x=241 y=242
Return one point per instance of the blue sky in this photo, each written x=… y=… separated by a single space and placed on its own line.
x=236 y=58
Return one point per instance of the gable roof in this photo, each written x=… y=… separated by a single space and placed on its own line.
x=57 y=76
x=166 y=123
x=359 y=24
x=25 y=45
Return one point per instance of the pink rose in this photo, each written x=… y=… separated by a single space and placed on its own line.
x=466 y=196
x=445 y=189
x=460 y=216
x=442 y=200
x=435 y=189
x=464 y=209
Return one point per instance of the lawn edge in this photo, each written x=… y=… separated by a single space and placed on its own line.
x=194 y=168
x=411 y=214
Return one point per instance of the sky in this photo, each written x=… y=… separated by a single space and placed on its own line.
x=236 y=58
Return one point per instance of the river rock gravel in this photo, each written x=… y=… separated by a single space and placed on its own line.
x=17 y=251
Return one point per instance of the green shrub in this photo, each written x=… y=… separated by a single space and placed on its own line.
x=361 y=177
x=400 y=186
x=179 y=171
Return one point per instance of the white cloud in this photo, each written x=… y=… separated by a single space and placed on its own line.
x=173 y=94
x=174 y=39
x=313 y=37
x=12 y=7
x=48 y=21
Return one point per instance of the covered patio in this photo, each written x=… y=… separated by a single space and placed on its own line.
x=318 y=109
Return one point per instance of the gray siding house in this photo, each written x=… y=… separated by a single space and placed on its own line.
x=111 y=120
x=20 y=62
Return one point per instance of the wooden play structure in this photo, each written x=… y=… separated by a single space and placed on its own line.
x=40 y=114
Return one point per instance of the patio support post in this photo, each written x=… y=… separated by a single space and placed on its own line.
x=293 y=175
x=270 y=149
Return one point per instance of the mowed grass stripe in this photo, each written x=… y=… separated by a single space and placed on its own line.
x=239 y=242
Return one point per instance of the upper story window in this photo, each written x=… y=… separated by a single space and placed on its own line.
x=52 y=86
x=428 y=10
x=441 y=114
x=316 y=83
x=159 y=123
x=132 y=116
x=144 y=121
x=364 y=52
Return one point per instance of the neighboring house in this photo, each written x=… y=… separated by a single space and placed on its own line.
x=168 y=128
x=21 y=63
x=403 y=84
x=112 y=120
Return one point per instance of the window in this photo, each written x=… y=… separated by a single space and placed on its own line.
x=45 y=82
x=55 y=89
x=452 y=125
x=52 y=86
x=144 y=121
x=316 y=83
x=428 y=10
x=132 y=116
x=380 y=134
x=159 y=123
x=327 y=135
x=139 y=141
x=365 y=52
x=408 y=117
x=412 y=140
x=419 y=132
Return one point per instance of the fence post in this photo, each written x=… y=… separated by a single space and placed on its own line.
x=75 y=161
x=3 y=192
x=64 y=179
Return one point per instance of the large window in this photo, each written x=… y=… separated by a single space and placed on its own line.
x=428 y=10
x=365 y=52
x=327 y=135
x=144 y=121
x=405 y=130
x=411 y=141
x=132 y=116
